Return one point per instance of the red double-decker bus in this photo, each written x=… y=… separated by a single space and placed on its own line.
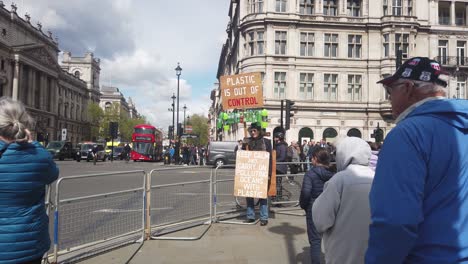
x=147 y=143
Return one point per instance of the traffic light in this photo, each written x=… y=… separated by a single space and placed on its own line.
x=289 y=114
x=113 y=129
x=180 y=130
x=171 y=132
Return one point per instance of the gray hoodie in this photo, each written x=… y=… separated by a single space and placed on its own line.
x=341 y=213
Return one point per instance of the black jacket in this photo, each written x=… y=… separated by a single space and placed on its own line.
x=312 y=186
x=281 y=154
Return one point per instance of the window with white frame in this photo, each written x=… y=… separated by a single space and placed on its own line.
x=331 y=45
x=461 y=86
x=280 y=42
x=281 y=5
x=409 y=7
x=354 y=8
x=307 y=44
x=280 y=85
x=306 y=85
x=255 y=43
x=354 y=46
x=330 y=7
x=402 y=43
x=255 y=6
x=385 y=8
x=396 y=7
x=354 y=87
x=306 y=7
x=443 y=51
x=386 y=45
x=330 y=86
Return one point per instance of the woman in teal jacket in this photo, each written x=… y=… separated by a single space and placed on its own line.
x=25 y=169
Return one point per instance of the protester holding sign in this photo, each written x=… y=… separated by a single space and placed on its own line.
x=256 y=142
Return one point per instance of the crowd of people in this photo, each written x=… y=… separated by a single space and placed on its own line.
x=190 y=154
x=405 y=201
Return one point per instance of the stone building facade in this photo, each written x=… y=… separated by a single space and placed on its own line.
x=30 y=73
x=327 y=56
x=112 y=95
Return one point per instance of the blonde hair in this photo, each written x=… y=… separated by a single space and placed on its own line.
x=14 y=120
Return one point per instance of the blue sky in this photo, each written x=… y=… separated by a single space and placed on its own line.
x=139 y=43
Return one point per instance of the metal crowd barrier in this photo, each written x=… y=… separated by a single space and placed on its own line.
x=178 y=206
x=96 y=222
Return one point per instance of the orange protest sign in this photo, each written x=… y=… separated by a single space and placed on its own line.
x=251 y=174
x=242 y=91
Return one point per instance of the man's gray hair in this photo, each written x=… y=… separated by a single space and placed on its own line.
x=14 y=120
x=426 y=88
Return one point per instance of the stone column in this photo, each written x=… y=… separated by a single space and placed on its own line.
x=16 y=72
x=30 y=86
x=452 y=13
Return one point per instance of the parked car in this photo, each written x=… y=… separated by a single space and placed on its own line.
x=85 y=150
x=221 y=153
x=61 y=150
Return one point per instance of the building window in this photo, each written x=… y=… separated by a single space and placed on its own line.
x=409 y=7
x=396 y=7
x=330 y=86
x=354 y=8
x=281 y=5
x=444 y=13
x=402 y=43
x=280 y=85
x=386 y=45
x=460 y=13
x=354 y=46
x=330 y=7
x=306 y=7
x=385 y=7
x=354 y=87
x=255 y=43
x=255 y=6
x=280 y=42
x=307 y=44
x=77 y=74
x=461 y=86
x=331 y=45
x=461 y=59
x=443 y=47
x=306 y=86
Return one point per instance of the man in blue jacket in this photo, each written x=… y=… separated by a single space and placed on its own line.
x=419 y=197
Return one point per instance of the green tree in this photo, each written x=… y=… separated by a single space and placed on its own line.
x=200 y=128
x=96 y=116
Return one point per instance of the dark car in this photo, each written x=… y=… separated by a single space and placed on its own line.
x=84 y=152
x=117 y=153
x=61 y=150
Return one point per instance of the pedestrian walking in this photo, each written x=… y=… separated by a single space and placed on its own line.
x=26 y=169
x=312 y=187
x=257 y=142
x=341 y=213
x=419 y=198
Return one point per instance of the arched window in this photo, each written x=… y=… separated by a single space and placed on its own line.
x=329 y=133
x=305 y=132
x=108 y=106
x=354 y=132
x=77 y=74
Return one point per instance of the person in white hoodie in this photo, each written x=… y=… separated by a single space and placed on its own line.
x=341 y=213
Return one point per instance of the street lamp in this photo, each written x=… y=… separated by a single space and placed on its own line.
x=185 y=108
x=173 y=112
x=178 y=73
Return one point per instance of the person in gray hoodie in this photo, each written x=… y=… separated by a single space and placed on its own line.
x=341 y=213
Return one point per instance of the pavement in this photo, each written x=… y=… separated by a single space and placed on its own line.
x=283 y=240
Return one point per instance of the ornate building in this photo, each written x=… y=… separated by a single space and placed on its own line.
x=112 y=95
x=327 y=56
x=29 y=72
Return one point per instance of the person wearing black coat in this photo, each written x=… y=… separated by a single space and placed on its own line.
x=312 y=187
x=281 y=156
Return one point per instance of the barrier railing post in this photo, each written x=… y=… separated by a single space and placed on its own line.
x=147 y=207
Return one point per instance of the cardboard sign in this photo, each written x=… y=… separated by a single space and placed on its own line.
x=251 y=175
x=242 y=91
